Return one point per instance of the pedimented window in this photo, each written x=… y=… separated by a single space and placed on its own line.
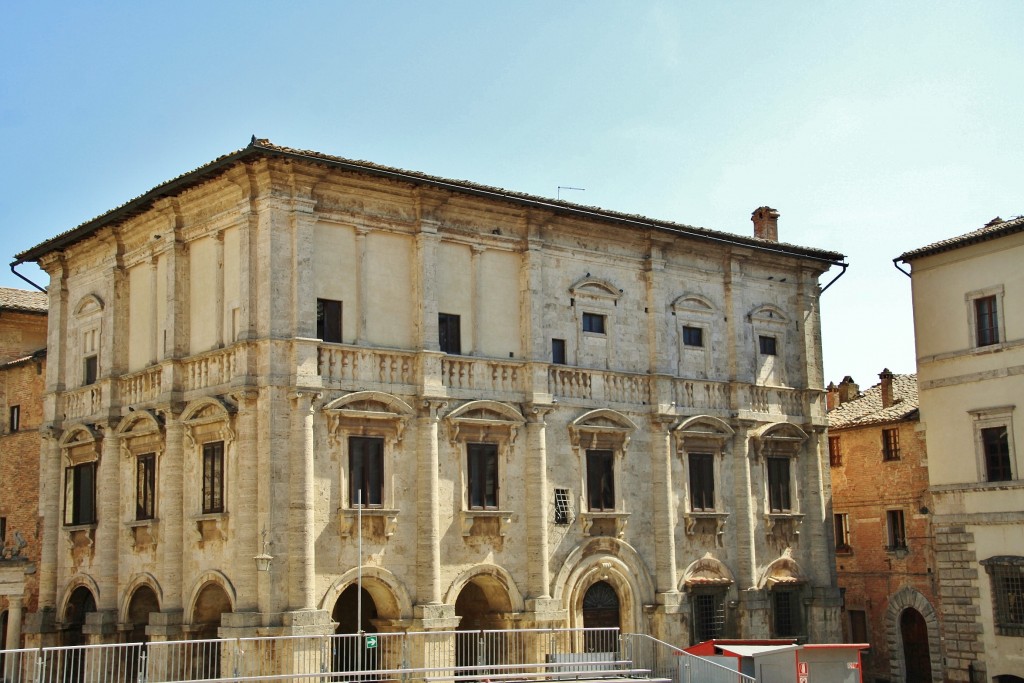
x=600 y=438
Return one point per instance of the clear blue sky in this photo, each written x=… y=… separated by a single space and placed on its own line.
x=873 y=127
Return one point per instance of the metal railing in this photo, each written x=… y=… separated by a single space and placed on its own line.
x=420 y=657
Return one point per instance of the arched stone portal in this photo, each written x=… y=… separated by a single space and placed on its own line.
x=78 y=606
x=601 y=610
x=914 y=632
x=143 y=603
x=211 y=603
x=354 y=611
x=482 y=604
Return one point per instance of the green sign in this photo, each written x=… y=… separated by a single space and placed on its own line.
x=371 y=642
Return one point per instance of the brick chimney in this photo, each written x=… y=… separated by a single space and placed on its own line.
x=766 y=223
x=831 y=397
x=886 y=387
x=848 y=390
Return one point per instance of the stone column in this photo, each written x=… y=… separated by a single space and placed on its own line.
x=662 y=500
x=218 y=294
x=428 y=543
x=477 y=298
x=537 y=511
x=250 y=588
x=108 y=531
x=172 y=530
x=302 y=546
x=50 y=511
x=362 y=284
x=13 y=623
x=744 y=508
x=154 y=323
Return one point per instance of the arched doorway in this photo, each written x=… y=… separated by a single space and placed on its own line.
x=601 y=611
x=355 y=610
x=79 y=605
x=143 y=602
x=481 y=605
x=915 y=646
x=211 y=603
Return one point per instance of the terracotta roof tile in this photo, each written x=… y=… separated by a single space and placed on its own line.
x=992 y=230
x=23 y=300
x=868 y=410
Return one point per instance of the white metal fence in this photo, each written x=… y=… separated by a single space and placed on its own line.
x=423 y=657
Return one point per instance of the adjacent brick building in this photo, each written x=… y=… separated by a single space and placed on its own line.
x=881 y=511
x=22 y=383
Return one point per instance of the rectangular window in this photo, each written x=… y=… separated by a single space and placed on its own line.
x=779 y=499
x=483 y=476
x=896 y=530
x=366 y=471
x=80 y=494
x=767 y=345
x=986 y=320
x=785 y=613
x=3 y=530
x=693 y=336
x=835 y=453
x=558 y=351
x=891 y=444
x=328 y=320
x=213 y=477
x=996 y=441
x=841 y=522
x=708 y=615
x=593 y=322
x=600 y=481
x=702 y=481
x=15 y=418
x=145 y=486
x=858 y=626
x=91 y=370
x=449 y=336
x=563 y=515
x=1006 y=576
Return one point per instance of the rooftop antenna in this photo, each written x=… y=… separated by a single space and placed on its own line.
x=566 y=187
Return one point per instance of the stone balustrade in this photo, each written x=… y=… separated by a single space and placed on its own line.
x=141 y=387
x=483 y=376
x=210 y=369
x=83 y=402
x=379 y=368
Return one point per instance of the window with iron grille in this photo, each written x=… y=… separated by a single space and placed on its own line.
x=80 y=494
x=1006 y=577
x=785 y=612
x=996 y=442
x=835 y=453
x=213 y=477
x=702 y=481
x=449 y=333
x=328 y=320
x=693 y=336
x=145 y=486
x=594 y=323
x=600 y=481
x=563 y=513
x=779 y=498
x=896 y=530
x=841 y=522
x=483 y=476
x=986 y=320
x=891 y=444
x=708 y=615
x=366 y=471
x=767 y=345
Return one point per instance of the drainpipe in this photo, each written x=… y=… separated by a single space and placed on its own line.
x=14 y=265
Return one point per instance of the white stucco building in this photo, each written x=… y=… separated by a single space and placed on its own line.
x=969 y=331
x=552 y=414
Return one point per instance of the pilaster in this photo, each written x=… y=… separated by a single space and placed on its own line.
x=538 y=558
x=428 y=543
x=171 y=501
x=302 y=536
x=662 y=502
x=109 y=518
x=743 y=508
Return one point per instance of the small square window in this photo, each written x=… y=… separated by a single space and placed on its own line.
x=891 y=444
x=835 y=453
x=594 y=323
x=328 y=320
x=449 y=333
x=896 y=530
x=767 y=345
x=563 y=513
x=693 y=336
x=558 y=351
x=15 y=418
x=986 y=320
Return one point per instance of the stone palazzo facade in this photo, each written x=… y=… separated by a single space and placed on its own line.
x=284 y=373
